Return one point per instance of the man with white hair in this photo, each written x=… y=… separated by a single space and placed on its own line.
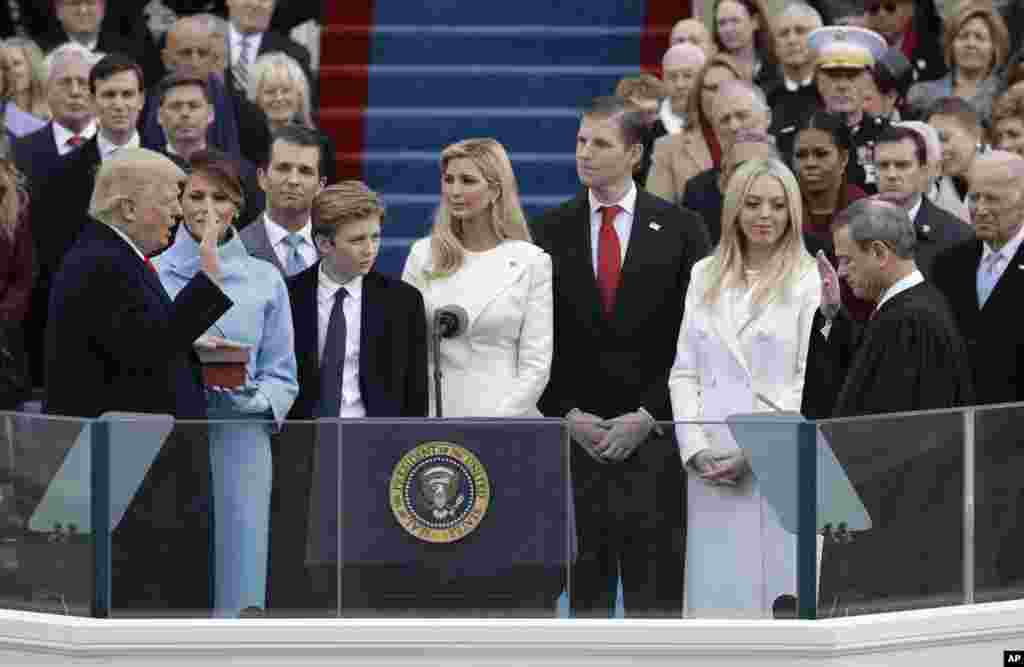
x=679 y=69
x=983 y=280
x=793 y=92
x=74 y=117
x=693 y=31
x=117 y=342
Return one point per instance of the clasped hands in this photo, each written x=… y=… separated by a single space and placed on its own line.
x=726 y=468
x=609 y=440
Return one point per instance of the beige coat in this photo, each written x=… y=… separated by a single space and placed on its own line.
x=676 y=159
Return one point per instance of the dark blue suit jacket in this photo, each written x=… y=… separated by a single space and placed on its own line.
x=703 y=196
x=393 y=346
x=36 y=156
x=116 y=341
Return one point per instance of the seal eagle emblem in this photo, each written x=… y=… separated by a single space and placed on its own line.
x=439 y=492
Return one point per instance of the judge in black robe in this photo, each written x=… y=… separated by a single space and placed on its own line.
x=907 y=470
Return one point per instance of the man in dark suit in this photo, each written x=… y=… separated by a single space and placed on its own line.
x=250 y=37
x=37 y=156
x=115 y=84
x=983 y=280
x=185 y=115
x=116 y=342
x=901 y=161
x=621 y=261
x=74 y=120
x=340 y=306
x=283 y=234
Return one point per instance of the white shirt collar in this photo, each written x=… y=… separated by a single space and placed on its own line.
x=673 y=122
x=912 y=280
x=127 y=240
x=276 y=233
x=914 y=210
x=327 y=287
x=236 y=42
x=107 y=148
x=61 y=134
x=1008 y=250
x=628 y=201
x=793 y=86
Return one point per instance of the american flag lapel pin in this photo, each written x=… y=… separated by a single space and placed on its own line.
x=655 y=226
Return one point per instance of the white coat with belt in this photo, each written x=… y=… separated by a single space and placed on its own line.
x=738 y=556
x=500 y=366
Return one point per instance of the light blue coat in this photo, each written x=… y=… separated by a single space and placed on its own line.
x=240 y=448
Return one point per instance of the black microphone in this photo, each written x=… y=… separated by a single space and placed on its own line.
x=450 y=321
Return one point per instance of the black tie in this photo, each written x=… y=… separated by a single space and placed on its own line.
x=333 y=364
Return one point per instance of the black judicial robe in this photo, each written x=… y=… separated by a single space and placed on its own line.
x=907 y=470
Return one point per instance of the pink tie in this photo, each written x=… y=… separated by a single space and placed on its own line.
x=75 y=141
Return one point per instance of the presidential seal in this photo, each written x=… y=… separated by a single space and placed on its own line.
x=439 y=492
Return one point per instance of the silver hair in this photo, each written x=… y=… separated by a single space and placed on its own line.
x=64 y=54
x=800 y=9
x=872 y=219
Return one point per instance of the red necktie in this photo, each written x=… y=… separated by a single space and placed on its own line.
x=75 y=141
x=150 y=265
x=609 y=257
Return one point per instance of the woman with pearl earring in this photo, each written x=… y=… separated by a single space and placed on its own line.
x=479 y=257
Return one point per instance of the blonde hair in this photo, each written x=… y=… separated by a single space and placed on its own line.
x=33 y=56
x=14 y=202
x=342 y=203
x=507 y=219
x=280 y=63
x=790 y=259
x=125 y=176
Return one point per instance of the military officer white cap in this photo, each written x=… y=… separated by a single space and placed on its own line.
x=844 y=47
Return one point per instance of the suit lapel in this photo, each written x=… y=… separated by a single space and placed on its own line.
x=579 y=252
x=263 y=248
x=372 y=328
x=490 y=286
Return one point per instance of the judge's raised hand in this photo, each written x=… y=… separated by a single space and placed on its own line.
x=209 y=262
x=587 y=431
x=830 y=294
x=627 y=432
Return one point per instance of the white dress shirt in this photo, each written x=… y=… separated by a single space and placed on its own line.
x=623 y=222
x=255 y=40
x=793 y=86
x=351 y=398
x=277 y=234
x=61 y=135
x=108 y=148
x=911 y=280
x=673 y=122
x=993 y=264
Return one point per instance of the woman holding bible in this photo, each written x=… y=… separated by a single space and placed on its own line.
x=244 y=416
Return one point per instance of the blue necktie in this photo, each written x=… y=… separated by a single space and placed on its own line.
x=332 y=365
x=987 y=277
x=295 y=263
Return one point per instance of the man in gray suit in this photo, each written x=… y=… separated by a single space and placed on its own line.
x=291 y=179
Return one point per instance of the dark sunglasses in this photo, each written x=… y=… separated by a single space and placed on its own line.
x=888 y=7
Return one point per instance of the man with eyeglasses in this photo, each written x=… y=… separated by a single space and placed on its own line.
x=913 y=27
x=983 y=280
x=909 y=356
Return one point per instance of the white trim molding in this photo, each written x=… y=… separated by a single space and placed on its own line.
x=947 y=636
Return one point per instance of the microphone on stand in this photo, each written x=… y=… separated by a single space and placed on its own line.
x=449 y=322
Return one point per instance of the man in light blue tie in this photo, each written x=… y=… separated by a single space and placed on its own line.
x=983 y=279
x=291 y=179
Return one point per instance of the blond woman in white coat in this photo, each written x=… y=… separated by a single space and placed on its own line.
x=479 y=256
x=742 y=348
